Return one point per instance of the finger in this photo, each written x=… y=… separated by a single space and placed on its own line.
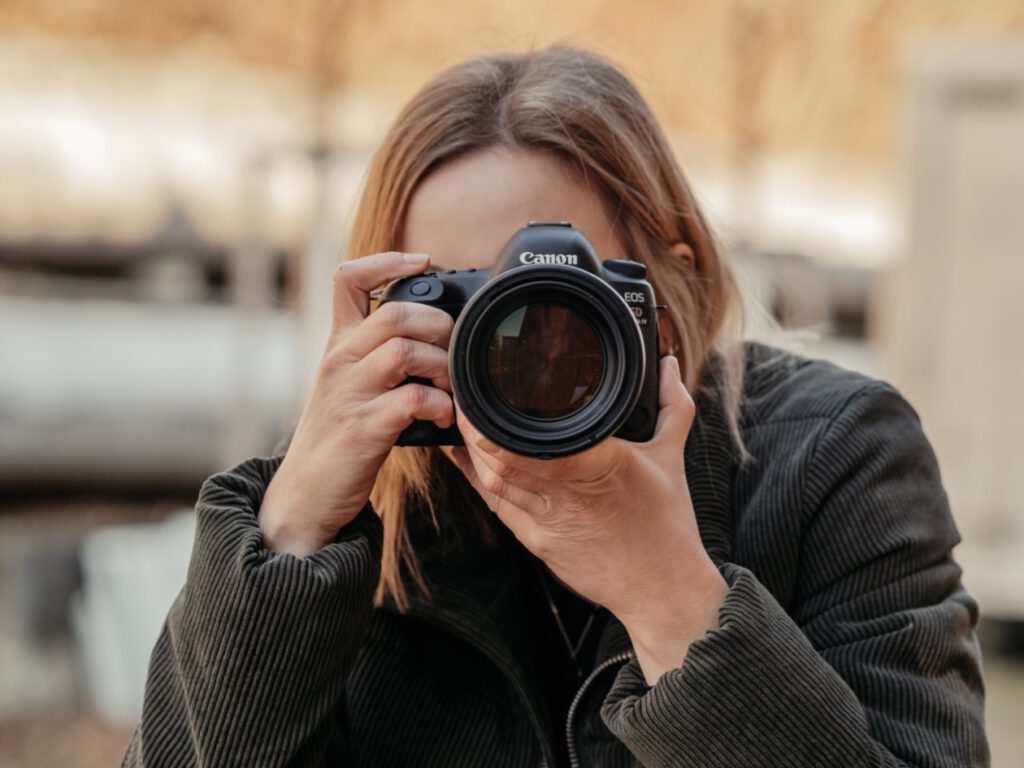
x=509 y=472
x=502 y=487
x=676 y=408
x=396 y=409
x=541 y=468
x=353 y=281
x=505 y=504
x=589 y=465
x=460 y=457
x=400 y=318
x=396 y=360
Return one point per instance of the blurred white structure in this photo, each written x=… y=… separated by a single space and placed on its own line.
x=956 y=314
x=131 y=575
x=140 y=394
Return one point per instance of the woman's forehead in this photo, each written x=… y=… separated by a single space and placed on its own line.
x=465 y=211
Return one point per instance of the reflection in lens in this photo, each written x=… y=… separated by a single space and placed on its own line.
x=545 y=361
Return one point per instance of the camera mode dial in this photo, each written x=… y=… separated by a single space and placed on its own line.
x=627 y=268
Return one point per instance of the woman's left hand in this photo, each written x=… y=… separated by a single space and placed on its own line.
x=615 y=523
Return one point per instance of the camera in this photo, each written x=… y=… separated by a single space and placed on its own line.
x=552 y=350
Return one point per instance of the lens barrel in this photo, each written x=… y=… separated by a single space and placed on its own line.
x=547 y=361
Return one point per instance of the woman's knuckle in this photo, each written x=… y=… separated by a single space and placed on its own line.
x=401 y=352
x=492 y=483
x=335 y=361
x=357 y=422
x=393 y=315
x=535 y=541
x=416 y=398
x=504 y=469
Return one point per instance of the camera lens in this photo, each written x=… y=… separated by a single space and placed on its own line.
x=545 y=361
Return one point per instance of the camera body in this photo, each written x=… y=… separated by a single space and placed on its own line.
x=552 y=350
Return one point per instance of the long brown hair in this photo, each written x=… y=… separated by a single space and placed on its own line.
x=577 y=106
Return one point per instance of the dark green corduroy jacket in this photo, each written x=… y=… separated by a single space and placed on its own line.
x=845 y=638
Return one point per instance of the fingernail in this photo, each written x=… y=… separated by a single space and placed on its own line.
x=415 y=258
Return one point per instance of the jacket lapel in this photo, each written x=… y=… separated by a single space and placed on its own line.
x=711 y=463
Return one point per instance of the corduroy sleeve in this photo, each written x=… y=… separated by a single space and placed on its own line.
x=250 y=666
x=877 y=663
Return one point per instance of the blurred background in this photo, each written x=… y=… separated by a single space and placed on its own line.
x=177 y=178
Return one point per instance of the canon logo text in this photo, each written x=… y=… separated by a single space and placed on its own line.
x=528 y=257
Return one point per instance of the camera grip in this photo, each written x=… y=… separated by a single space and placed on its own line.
x=428 y=433
x=422 y=432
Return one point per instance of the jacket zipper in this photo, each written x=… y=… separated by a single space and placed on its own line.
x=570 y=733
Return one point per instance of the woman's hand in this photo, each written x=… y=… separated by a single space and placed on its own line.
x=357 y=409
x=614 y=523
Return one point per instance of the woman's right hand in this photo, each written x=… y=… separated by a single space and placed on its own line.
x=357 y=409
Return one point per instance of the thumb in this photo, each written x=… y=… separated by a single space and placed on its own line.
x=675 y=407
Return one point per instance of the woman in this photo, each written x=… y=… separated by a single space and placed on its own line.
x=767 y=581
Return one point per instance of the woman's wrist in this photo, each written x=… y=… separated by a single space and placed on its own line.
x=283 y=519
x=674 y=613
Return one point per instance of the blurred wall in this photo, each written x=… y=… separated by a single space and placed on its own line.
x=789 y=110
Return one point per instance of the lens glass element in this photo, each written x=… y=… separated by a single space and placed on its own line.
x=545 y=360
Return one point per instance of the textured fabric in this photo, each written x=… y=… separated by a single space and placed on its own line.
x=845 y=638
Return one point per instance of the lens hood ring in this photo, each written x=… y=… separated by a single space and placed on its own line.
x=622 y=346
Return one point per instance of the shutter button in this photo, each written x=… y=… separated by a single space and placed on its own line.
x=419 y=288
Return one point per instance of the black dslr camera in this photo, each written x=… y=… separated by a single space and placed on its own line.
x=553 y=350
